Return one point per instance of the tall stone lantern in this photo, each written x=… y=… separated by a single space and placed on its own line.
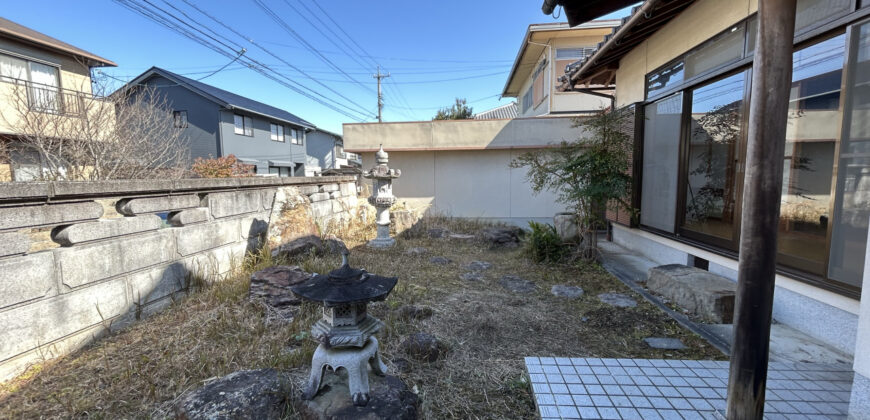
x=382 y=197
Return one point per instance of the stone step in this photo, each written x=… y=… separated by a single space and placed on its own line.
x=707 y=295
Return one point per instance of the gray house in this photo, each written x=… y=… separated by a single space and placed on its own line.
x=221 y=123
x=328 y=149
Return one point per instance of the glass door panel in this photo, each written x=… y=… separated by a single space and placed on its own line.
x=811 y=140
x=713 y=153
x=852 y=205
x=661 y=154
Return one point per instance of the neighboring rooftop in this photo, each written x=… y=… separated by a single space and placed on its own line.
x=224 y=98
x=499 y=112
x=535 y=40
x=14 y=30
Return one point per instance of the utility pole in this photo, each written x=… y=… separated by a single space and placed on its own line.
x=756 y=270
x=380 y=76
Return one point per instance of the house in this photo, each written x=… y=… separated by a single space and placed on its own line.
x=38 y=73
x=684 y=69
x=462 y=168
x=546 y=50
x=221 y=123
x=328 y=150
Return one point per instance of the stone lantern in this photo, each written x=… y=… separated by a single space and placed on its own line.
x=382 y=197
x=346 y=330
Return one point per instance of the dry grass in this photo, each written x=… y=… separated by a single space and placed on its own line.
x=138 y=373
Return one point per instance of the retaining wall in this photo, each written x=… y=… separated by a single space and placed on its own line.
x=78 y=259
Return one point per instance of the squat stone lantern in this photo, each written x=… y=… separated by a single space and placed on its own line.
x=346 y=330
x=382 y=197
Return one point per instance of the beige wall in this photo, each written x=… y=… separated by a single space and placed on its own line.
x=460 y=134
x=74 y=74
x=472 y=183
x=698 y=23
x=13 y=109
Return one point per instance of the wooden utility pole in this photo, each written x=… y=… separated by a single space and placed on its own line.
x=380 y=76
x=768 y=113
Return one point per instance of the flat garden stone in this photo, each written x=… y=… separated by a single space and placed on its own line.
x=617 y=299
x=415 y=312
x=416 y=251
x=707 y=295
x=664 y=343
x=517 y=284
x=472 y=276
x=272 y=287
x=438 y=232
x=571 y=292
x=424 y=347
x=503 y=236
x=389 y=398
x=251 y=394
x=440 y=260
x=478 y=266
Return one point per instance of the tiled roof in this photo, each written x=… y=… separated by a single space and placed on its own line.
x=10 y=28
x=225 y=98
x=501 y=112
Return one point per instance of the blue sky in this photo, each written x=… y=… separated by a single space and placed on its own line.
x=434 y=51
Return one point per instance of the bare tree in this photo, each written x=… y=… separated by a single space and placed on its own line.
x=130 y=134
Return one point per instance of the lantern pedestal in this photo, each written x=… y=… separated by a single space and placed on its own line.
x=382 y=198
x=355 y=361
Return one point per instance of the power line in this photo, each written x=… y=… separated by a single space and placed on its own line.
x=253 y=64
x=242 y=52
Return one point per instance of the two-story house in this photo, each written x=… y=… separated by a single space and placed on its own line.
x=38 y=73
x=328 y=150
x=221 y=123
x=545 y=52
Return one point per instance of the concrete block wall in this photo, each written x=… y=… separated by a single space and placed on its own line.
x=108 y=269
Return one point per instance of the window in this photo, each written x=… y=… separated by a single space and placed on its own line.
x=660 y=162
x=277 y=132
x=295 y=136
x=574 y=53
x=179 y=119
x=527 y=100
x=538 y=83
x=664 y=79
x=243 y=125
x=712 y=176
x=721 y=50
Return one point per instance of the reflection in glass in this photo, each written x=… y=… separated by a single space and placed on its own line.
x=852 y=208
x=811 y=138
x=665 y=78
x=714 y=139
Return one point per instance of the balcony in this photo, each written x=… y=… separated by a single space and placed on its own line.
x=46 y=98
x=25 y=106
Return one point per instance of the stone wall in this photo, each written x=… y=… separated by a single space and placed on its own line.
x=78 y=259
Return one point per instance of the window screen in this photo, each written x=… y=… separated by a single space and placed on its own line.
x=660 y=163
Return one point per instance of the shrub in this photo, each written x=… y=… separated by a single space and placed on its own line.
x=544 y=243
x=222 y=167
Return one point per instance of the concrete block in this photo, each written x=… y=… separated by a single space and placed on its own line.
x=308 y=189
x=253 y=226
x=26 y=278
x=134 y=206
x=13 y=243
x=196 y=238
x=151 y=285
x=45 y=321
x=188 y=217
x=321 y=210
x=110 y=187
x=19 y=190
x=204 y=183
x=321 y=196
x=329 y=188
x=216 y=262
x=48 y=214
x=232 y=203
x=15 y=366
x=88 y=263
x=347 y=189
x=335 y=195
x=103 y=229
x=268 y=197
x=705 y=294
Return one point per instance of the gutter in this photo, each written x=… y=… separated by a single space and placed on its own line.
x=641 y=13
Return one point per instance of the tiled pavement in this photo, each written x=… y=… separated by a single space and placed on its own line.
x=649 y=389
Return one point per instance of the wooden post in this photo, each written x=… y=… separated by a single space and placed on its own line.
x=768 y=111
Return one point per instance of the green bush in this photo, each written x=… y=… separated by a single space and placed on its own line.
x=544 y=244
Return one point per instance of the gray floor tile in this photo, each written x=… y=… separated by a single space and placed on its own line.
x=551 y=369
x=547 y=361
x=688 y=392
x=642 y=362
x=612 y=390
x=680 y=403
x=617 y=370
x=563 y=399
x=537 y=377
x=545 y=399
x=589 y=379
x=610 y=362
x=631 y=390
x=621 y=401
x=588 y=412
x=532 y=361
x=641 y=380
x=548 y=411
x=624 y=380
x=670 y=415
x=583 y=370
x=558 y=388
x=563 y=361
x=534 y=369
x=572 y=379
x=649 y=414
x=626 y=362
x=677 y=381
x=606 y=379
x=568 y=412
x=706 y=392
x=576 y=389
x=659 y=380
x=640 y=402
x=582 y=400
x=700 y=404
x=567 y=370
x=554 y=378
x=577 y=361
x=601 y=401
x=691 y=415
x=660 y=402
x=540 y=388
x=609 y=413
x=650 y=391
x=629 y=413
x=594 y=389
x=669 y=391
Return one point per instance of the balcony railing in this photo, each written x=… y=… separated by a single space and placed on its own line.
x=51 y=99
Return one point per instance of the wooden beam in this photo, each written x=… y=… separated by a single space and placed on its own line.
x=768 y=112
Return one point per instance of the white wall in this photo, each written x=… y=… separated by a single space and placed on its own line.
x=472 y=184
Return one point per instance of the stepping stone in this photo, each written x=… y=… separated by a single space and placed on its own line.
x=571 y=292
x=617 y=299
x=701 y=292
x=517 y=284
x=461 y=236
x=665 y=343
x=415 y=312
x=472 y=276
x=478 y=266
x=416 y=251
x=440 y=260
x=438 y=233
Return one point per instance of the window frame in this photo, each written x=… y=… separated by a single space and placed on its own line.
x=183 y=117
x=247 y=127
x=277 y=132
